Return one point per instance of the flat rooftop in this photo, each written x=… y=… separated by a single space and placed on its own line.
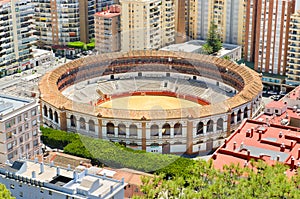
x=10 y=103
x=63 y=180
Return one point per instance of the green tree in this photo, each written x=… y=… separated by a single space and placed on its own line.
x=5 y=193
x=207 y=49
x=213 y=38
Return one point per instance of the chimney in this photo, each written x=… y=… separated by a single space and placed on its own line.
x=292 y=145
x=122 y=180
x=248 y=154
x=42 y=167
x=278 y=158
x=75 y=176
x=225 y=143
x=259 y=135
x=69 y=167
x=242 y=145
x=36 y=160
x=280 y=134
x=57 y=171
x=33 y=174
x=52 y=163
x=111 y=188
x=234 y=145
x=292 y=162
x=282 y=147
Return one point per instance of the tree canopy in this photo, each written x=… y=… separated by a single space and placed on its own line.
x=203 y=181
x=5 y=193
x=213 y=41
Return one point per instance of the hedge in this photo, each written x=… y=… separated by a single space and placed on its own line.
x=76 y=44
x=113 y=154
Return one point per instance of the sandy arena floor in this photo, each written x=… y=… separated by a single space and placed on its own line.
x=149 y=103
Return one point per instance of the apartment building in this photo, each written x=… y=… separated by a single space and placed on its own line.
x=293 y=59
x=33 y=179
x=102 y=5
x=267 y=34
x=228 y=15
x=58 y=22
x=147 y=24
x=15 y=35
x=107 y=30
x=19 y=128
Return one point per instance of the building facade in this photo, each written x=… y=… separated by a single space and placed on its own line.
x=15 y=35
x=267 y=34
x=228 y=15
x=61 y=21
x=293 y=62
x=107 y=30
x=147 y=24
x=33 y=179
x=19 y=127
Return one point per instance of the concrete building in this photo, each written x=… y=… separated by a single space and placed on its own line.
x=107 y=30
x=15 y=35
x=61 y=21
x=293 y=62
x=228 y=15
x=19 y=127
x=33 y=179
x=147 y=24
x=101 y=5
x=233 y=52
x=267 y=34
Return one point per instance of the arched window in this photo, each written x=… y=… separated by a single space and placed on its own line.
x=133 y=130
x=110 y=128
x=50 y=114
x=200 y=128
x=210 y=126
x=45 y=111
x=121 y=129
x=232 y=118
x=82 y=123
x=154 y=130
x=73 y=121
x=239 y=114
x=55 y=117
x=246 y=112
x=220 y=124
x=91 y=125
x=166 y=129
x=178 y=129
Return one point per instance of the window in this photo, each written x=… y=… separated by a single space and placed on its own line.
x=21 y=194
x=8 y=135
x=26 y=126
x=9 y=146
x=12 y=186
x=25 y=116
x=35 y=142
x=10 y=156
x=34 y=123
x=19 y=118
x=33 y=112
x=27 y=146
x=50 y=192
x=26 y=136
x=34 y=133
x=20 y=129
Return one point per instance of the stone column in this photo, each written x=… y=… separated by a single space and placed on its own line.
x=144 y=136
x=189 y=137
x=215 y=127
x=228 y=123
x=204 y=129
x=63 y=120
x=100 y=128
x=235 y=118
x=172 y=132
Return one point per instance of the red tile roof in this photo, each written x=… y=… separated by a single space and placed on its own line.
x=259 y=140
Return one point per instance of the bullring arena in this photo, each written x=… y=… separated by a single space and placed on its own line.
x=158 y=101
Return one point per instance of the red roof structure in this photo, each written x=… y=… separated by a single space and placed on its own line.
x=260 y=140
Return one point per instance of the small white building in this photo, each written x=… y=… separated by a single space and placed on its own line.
x=35 y=180
x=234 y=52
x=19 y=128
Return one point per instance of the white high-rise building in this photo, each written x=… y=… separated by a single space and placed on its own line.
x=15 y=35
x=147 y=24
